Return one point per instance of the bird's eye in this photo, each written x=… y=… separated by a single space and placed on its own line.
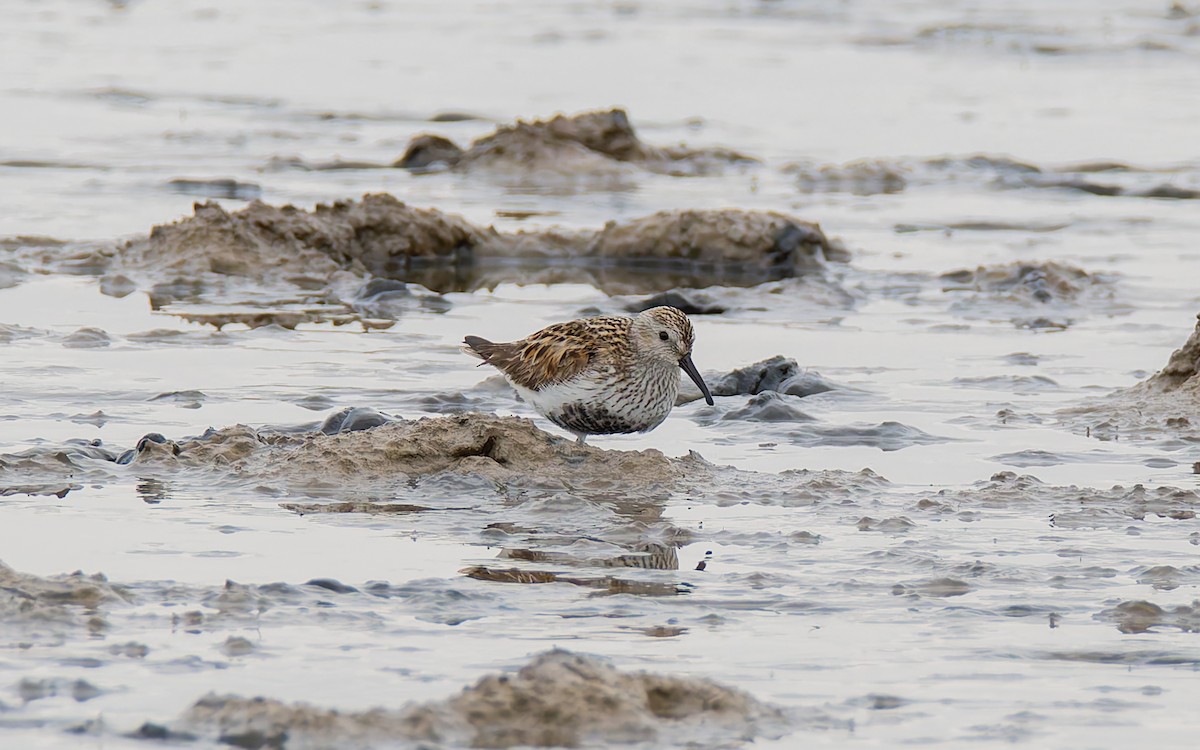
x=663 y=335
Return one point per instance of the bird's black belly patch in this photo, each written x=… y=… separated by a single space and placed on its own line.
x=594 y=419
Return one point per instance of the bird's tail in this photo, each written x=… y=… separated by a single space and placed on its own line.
x=478 y=347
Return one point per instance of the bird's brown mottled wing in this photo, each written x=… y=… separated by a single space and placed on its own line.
x=554 y=354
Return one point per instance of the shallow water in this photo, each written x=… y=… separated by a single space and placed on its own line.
x=935 y=607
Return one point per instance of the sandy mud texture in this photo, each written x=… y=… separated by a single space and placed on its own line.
x=559 y=699
x=1165 y=406
x=862 y=177
x=380 y=236
x=446 y=458
x=56 y=470
x=1100 y=178
x=1182 y=373
x=47 y=608
x=462 y=453
x=602 y=143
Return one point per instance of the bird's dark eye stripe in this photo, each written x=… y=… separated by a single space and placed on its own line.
x=663 y=335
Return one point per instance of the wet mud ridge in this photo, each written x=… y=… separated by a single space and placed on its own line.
x=373 y=260
x=558 y=699
x=1164 y=407
x=360 y=452
x=499 y=451
x=585 y=146
x=383 y=237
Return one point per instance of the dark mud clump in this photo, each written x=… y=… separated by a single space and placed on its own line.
x=559 y=699
x=778 y=374
x=324 y=251
x=1078 y=507
x=588 y=145
x=376 y=233
x=353 y=420
x=1101 y=178
x=689 y=301
x=763 y=240
x=428 y=151
x=774 y=386
x=217 y=188
x=1182 y=373
x=768 y=407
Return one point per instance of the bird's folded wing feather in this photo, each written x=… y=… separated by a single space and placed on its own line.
x=553 y=355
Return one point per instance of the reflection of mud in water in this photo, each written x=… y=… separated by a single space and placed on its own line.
x=864 y=177
x=558 y=699
x=624 y=279
x=218 y=188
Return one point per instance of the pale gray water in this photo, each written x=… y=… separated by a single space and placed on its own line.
x=105 y=103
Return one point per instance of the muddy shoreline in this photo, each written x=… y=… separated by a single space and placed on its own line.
x=252 y=494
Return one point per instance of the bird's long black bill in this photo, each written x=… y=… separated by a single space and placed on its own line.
x=689 y=367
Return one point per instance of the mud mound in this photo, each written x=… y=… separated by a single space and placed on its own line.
x=55 y=470
x=778 y=373
x=559 y=699
x=1182 y=368
x=327 y=251
x=500 y=450
x=600 y=143
x=1139 y=616
x=691 y=302
x=378 y=232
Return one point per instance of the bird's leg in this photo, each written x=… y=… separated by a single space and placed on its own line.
x=581 y=438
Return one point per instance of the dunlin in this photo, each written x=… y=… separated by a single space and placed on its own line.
x=603 y=375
